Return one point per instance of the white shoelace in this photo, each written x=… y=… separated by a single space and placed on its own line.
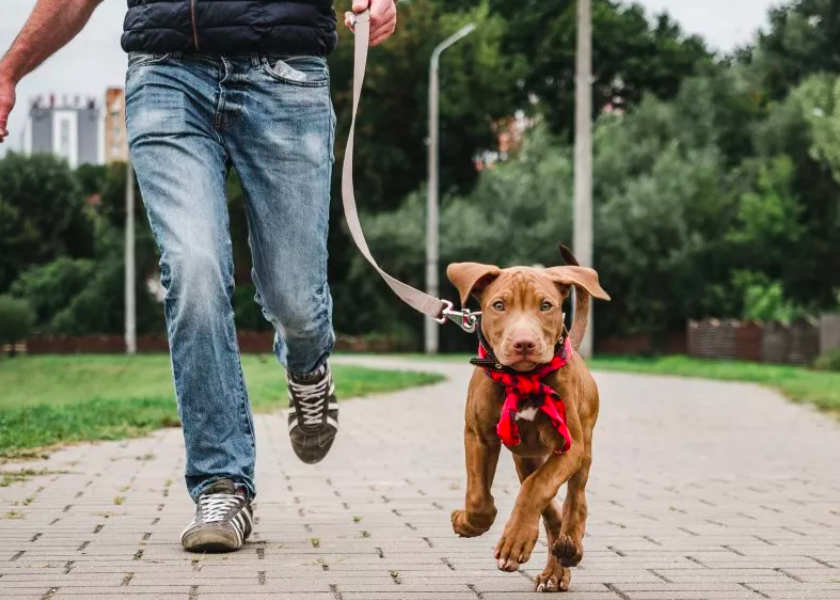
x=214 y=507
x=309 y=397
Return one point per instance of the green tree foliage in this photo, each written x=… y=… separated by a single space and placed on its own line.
x=42 y=214
x=478 y=85
x=765 y=301
x=632 y=56
x=49 y=288
x=716 y=183
x=801 y=41
x=16 y=320
x=91 y=178
x=680 y=214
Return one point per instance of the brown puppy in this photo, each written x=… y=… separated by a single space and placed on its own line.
x=522 y=321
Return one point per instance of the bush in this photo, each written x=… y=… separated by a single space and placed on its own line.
x=767 y=303
x=16 y=320
x=51 y=287
x=830 y=361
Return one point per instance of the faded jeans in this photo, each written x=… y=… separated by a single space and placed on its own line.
x=190 y=119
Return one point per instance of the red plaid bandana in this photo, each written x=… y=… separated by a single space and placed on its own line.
x=518 y=387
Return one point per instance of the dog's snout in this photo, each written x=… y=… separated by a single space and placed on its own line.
x=525 y=345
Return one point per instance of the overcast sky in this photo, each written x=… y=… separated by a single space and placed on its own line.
x=94 y=60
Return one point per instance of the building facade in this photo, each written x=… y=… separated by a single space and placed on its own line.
x=71 y=130
x=116 y=138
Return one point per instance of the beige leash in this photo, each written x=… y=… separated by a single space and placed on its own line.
x=440 y=310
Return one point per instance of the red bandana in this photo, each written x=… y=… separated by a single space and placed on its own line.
x=518 y=387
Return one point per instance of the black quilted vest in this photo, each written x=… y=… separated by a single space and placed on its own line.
x=230 y=26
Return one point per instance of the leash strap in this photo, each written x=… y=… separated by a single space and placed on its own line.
x=429 y=305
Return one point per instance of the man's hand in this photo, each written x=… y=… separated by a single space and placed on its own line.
x=7 y=102
x=383 y=18
x=52 y=24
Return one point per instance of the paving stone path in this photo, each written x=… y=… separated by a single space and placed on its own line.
x=699 y=491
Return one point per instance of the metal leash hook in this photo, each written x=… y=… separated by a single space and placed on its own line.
x=464 y=318
x=362 y=16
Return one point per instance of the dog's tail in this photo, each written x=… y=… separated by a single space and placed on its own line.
x=582 y=299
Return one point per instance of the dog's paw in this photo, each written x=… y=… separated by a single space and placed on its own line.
x=465 y=527
x=567 y=551
x=516 y=544
x=554 y=579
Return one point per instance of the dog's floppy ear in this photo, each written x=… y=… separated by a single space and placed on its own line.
x=582 y=277
x=471 y=278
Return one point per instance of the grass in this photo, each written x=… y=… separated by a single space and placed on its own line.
x=7 y=478
x=819 y=388
x=48 y=400
x=800 y=384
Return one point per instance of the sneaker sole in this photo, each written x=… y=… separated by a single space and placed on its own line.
x=210 y=539
x=312 y=456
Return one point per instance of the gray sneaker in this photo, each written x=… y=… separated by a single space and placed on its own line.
x=223 y=520
x=313 y=418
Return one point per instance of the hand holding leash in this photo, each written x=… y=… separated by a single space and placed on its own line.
x=382 y=14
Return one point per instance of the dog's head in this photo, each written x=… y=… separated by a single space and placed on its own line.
x=522 y=307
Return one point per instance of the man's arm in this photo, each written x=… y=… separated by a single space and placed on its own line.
x=51 y=25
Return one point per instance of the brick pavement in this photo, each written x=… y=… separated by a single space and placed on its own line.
x=699 y=491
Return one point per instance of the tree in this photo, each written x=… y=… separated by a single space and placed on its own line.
x=478 y=86
x=16 y=321
x=801 y=41
x=42 y=214
x=111 y=228
x=50 y=288
x=631 y=56
x=91 y=178
x=801 y=128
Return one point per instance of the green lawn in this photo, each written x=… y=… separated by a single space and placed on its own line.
x=47 y=400
x=797 y=383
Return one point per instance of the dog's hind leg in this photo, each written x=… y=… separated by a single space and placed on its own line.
x=554 y=578
x=479 y=510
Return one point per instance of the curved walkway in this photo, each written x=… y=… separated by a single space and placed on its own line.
x=699 y=491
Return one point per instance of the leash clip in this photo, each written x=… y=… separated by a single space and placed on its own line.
x=362 y=16
x=464 y=318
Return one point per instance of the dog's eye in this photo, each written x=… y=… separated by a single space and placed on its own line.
x=546 y=306
x=499 y=305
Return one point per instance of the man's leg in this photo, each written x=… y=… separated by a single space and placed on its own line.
x=180 y=165
x=280 y=135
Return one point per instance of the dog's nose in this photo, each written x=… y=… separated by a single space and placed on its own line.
x=524 y=345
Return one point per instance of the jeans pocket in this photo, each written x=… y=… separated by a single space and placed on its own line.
x=301 y=71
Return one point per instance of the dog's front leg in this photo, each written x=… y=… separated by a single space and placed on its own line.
x=537 y=492
x=554 y=578
x=479 y=511
x=568 y=549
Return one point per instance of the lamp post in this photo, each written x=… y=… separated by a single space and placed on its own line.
x=130 y=292
x=583 y=151
x=432 y=213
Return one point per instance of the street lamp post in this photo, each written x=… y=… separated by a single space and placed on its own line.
x=583 y=151
x=432 y=213
x=130 y=292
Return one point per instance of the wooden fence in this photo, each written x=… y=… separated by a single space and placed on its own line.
x=797 y=343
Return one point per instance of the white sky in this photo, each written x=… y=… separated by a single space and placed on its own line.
x=94 y=60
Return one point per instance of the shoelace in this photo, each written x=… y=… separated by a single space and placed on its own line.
x=309 y=398
x=214 y=507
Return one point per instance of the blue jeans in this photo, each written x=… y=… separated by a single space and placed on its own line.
x=190 y=119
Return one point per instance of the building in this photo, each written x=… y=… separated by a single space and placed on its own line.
x=116 y=138
x=71 y=130
x=509 y=132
